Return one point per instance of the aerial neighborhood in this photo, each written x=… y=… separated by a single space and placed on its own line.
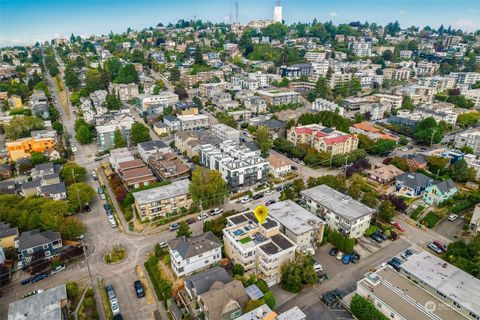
x=251 y=171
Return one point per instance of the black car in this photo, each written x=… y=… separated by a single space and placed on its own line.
x=257 y=196
x=278 y=189
x=190 y=221
x=333 y=252
x=381 y=235
x=355 y=257
x=117 y=317
x=376 y=238
x=139 y=289
x=394 y=264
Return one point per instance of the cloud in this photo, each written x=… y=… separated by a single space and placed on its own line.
x=333 y=14
x=466 y=24
x=403 y=12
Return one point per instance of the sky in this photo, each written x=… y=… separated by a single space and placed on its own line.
x=27 y=21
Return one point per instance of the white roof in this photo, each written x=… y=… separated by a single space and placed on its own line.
x=176 y=188
x=293 y=217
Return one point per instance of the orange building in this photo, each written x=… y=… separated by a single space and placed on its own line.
x=22 y=148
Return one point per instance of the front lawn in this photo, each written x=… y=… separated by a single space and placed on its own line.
x=431 y=219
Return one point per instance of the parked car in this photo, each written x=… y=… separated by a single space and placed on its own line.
x=173 y=227
x=339 y=255
x=115 y=306
x=452 y=217
x=317 y=267
x=407 y=253
x=108 y=209
x=269 y=192
x=80 y=237
x=31 y=293
x=294 y=168
x=25 y=281
x=347 y=258
x=397 y=260
x=58 y=269
x=39 y=277
x=100 y=190
x=103 y=196
x=333 y=252
x=113 y=222
x=202 y=216
x=440 y=245
x=94 y=174
x=355 y=257
x=269 y=202
x=257 y=196
x=216 y=211
x=163 y=244
x=434 y=248
x=110 y=292
x=117 y=317
x=395 y=265
x=381 y=235
x=139 y=289
x=245 y=200
x=190 y=221
x=398 y=226
x=376 y=238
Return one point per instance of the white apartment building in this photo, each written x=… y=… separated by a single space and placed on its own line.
x=470 y=139
x=376 y=110
x=468 y=78
x=125 y=91
x=209 y=90
x=164 y=98
x=390 y=100
x=239 y=166
x=260 y=249
x=255 y=104
x=193 y=122
x=339 y=78
x=275 y=97
x=245 y=82
x=224 y=132
x=263 y=79
x=314 y=56
x=406 y=54
x=319 y=69
x=341 y=212
x=188 y=255
x=325 y=105
x=474 y=95
x=397 y=74
x=362 y=49
x=106 y=133
x=438 y=82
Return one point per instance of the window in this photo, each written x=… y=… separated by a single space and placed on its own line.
x=47 y=253
x=29 y=250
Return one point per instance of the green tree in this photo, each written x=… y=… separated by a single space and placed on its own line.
x=79 y=195
x=207 y=187
x=140 y=133
x=127 y=74
x=263 y=141
x=83 y=134
x=72 y=290
x=269 y=299
x=71 y=79
x=72 y=173
x=184 y=230
x=238 y=270
x=71 y=228
x=382 y=146
x=428 y=131
x=323 y=89
x=407 y=103
x=363 y=309
x=253 y=304
x=113 y=101
x=22 y=126
x=37 y=158
x=58 y=127
x=461 y=172
x=118 y=140
x=438 y=164
x=386 y=210
x=276 y=31
x=94 y=81
x=113 y=65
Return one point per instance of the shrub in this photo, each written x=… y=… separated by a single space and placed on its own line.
x=88 y=302
x=371 y=230
x=89 y=293
x=253 y=304
x=238 y=270
x=269 y=299
x=343 y=243
x=417 y=212
x=262 y=285
x=363 y=309
x=72 y=290
x=431 y=219
x=160 y=285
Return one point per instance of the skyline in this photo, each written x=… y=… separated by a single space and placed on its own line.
x=25 y=22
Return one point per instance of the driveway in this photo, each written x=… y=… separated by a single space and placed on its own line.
x=450 y=229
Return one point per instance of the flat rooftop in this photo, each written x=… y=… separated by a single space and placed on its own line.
x=335 y=201
x=445 y=278
x=176 y=188
x=294 y=217
x=41 y=306
x=405 y=297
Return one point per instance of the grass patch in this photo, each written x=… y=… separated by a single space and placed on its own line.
x=245 y=240
x=160 y=285
x=118 y=253
x=431 y=219
x=414 y=215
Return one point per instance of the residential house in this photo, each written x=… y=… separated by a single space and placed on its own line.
x=412 y=184
x=43 y=169
x=159 y=201
x=35 y=244
x=172 y=122
x=7 y=235
x=160 y=128
x=188 y=142
x=39 y=104
x=51 y=304
x=299 y=225
x=260 y=248
x=22 y=148
x=325 y=105
x=151 y=104
x=342 y=213
x=193 y=122
x=416 y=161
x=56 y=191
x=188 y=255
x=168 y=167
x=200 y=283
x=440 y=191
x=323 y=139
x=7 y=187
x=106 y=133
x=146 y=149
x=255 y=104
x=223 y=301
x=186 y=108
x=224 y=132
x=135 y=174
x=118 y=156
x=385 y=174
x=278 y=166
x=276 y=128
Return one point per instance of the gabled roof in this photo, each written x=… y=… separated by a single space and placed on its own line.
x=445 y=185
x=191 y=247
x=34 y=238
x=201 y=282
x=414 y=179
x=7 y=231
x=224 y=299
x=55 y=188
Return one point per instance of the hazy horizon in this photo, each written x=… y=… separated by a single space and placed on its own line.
x=27 y=21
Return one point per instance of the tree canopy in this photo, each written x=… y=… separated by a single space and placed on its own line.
x=207 y=187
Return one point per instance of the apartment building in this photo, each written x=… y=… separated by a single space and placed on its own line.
x=106 y=132
x=189 y=141
x=224 y=132
x=209 y=90
x=319 y=69
x=323 y=139
x=362 y=49
x=239 y=166
x=299 y=225
x=188 y=255
x=135 y=174
x=22 y=148
x=193 y=122
x=264 y=79
x=245 y=82
x=389 y=100
x=159 y=201
x=148 y=148
x=315 y=56
x=418 y=114
x=470 y=139
x=168 y=167
x=260 y=249
x=151 y=104
x=402 y=74
x=276 y=97
x=325 y=105
x=467 y=78
x=255 y=104
x=339 y=78
x=125 y=91
x=341 y=212
x=474 y=95
x=278 y=166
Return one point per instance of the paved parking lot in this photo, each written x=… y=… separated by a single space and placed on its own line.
x=450 y=229
x=321 y=311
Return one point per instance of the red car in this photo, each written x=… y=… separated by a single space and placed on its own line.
x=398 y=226
x=439 y=245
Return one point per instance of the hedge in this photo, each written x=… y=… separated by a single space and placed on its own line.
x=160 y=285
x=343 y=243
x=431 y=219
x=417 y=212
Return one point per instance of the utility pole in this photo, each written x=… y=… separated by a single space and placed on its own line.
x=433 y=134
x=76 y=191
x=88 y=264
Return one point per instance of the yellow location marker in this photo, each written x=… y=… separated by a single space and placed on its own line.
x=261 y=213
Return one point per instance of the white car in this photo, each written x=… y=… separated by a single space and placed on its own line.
x=74 y=150
x=163 y=244
x=102 y=196
x=115 y=306
x=216 y=211
x=58 y=269
x=112 y=221
x=269 y=192
x=452 y=217
x=202 y=216
x=245 y=200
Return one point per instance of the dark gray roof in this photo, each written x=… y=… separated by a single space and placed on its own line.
x=253 y=292
x=51 y=176
x=32 y=184
x=274 y=124
x=7 y=186
x=170 y=118
x=190 y=247
x=445 y=185
x=53 y=188
x=327 y=130
x=418 y=157
x=160 y=124
x=45 y=166
x=202 y=282
x=34 y=238
x=6 y=230
x=153 y=145
x=414 y=179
